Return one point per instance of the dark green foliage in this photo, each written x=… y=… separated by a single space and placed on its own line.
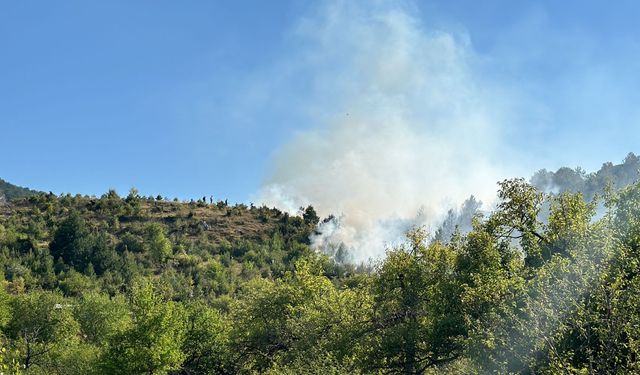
x=207 y=341
x=310 y=216
x=72 y=242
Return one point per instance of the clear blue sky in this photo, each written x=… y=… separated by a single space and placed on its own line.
x=161 y=95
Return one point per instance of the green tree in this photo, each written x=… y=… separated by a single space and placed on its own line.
x=41 y=326
x=157 y=243
x=103 y=255
x=72 y=242
x=516 y=218
x=207 y=342
x=310 y=216
x=152 y=344
x=416 y=322
x=294 y=321
x=101 y=317
x=520 y=324
x=5 y=304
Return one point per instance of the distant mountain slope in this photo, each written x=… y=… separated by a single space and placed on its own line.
x=9 y=191
x=565 y=179
x=589 y=184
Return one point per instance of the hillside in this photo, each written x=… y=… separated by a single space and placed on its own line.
x=578 y=180
x=119 y=238
x=141 y=285
x=218 y=223
x=9 y=191
x=563 y=180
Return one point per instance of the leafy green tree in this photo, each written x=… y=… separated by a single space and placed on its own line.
x=101 y=317
x=74 y=284
x=282 y=322
x=72 y=242
x=602 y=336
x=5 y=305
x=157 y=243
x=42 y=325
x=78 y=359
x=207 y=341
x=152 y=344
x=524 y=328
x=41 y=263
x=103 y=255
x=8 y=361
x=516 y=218
x=310 y=216
x=417 y=321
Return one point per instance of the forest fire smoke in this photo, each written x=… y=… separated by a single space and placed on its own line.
x=413 y=131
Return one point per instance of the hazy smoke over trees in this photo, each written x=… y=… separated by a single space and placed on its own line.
x=403 y=127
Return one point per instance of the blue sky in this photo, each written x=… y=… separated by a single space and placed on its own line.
x=196 y=97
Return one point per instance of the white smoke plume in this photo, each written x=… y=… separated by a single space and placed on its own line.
x=402 y=127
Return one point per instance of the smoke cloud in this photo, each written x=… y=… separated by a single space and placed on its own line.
x=401 y=127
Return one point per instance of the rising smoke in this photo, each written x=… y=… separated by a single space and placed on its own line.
x=403 y=127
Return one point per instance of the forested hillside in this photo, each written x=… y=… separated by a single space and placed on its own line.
x=589 y=184
x=576 y=180
x=9 y=191
x=135 y=285
x=115 y=239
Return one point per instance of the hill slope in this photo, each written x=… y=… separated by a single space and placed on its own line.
x=9 y=191
x=140 y=285
x=120 y=238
